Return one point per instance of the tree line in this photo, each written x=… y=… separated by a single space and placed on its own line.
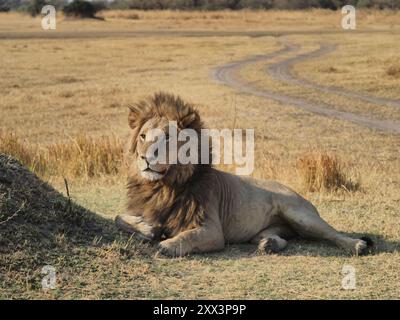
x=251 y=4
x=24 y=5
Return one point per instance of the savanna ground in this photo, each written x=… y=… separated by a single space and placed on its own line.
x=64 y=94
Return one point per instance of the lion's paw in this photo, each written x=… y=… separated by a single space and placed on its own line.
x=363 y=246
x=135 y=225
x=172 y=248
x=268 y=246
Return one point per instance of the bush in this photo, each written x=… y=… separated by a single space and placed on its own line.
x=83 y=156
x=393 y=71
x=328 y=4
x=35 y=7
x=321 y=171
x=80 y=9
x=100 y=5
x=253 y=4
x=4 y=6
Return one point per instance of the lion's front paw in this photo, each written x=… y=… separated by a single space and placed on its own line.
x=173 y=248
x=136 y=226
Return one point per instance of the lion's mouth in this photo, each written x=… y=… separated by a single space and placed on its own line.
x=148 y=169
x=152 y=175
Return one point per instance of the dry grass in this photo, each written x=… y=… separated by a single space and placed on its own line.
x=274 y=20
x=80 y=157
x=393 y=71
x=354 y=73
x=121 y=14
x=357 y=69
x=321 y=171
x=29 y=155
x=85 y=156
x=51 y=88
x=254 y=19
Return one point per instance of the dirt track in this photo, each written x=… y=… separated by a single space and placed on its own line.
x=228 y=75
x=280 y=71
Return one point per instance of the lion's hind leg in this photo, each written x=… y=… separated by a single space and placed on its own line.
x=271 y=240
x=306 y=221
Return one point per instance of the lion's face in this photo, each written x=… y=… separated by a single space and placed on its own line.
x=154 y=149
x=155 y=142
x=153 y=131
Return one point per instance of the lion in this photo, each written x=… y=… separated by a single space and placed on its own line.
x=195 y=208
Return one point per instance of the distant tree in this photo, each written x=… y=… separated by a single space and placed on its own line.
x=387 y=4
x=197 y=3
x=100 y=5
x=4 y=6
x=257 y=4
x=36 y=6
x=80 y=9
x=253 y=4
x=365 y=3
x=233 y=4
x=328 y=4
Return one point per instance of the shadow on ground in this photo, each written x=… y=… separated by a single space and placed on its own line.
x=33 y=215
x=39 y=225
x=305 y=247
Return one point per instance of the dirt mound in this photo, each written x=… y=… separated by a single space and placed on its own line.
x=33 y=214
x=39 y=227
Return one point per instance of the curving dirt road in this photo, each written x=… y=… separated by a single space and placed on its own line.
x=228 y=75
x=282 y=71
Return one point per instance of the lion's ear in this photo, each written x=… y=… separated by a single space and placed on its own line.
x=190 y=121
x=134 y=115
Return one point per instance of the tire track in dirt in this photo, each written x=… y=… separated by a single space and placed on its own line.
x=282 y=71
x=228 y=75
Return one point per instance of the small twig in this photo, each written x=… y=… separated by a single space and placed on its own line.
x=14 y=214
x=69 y=197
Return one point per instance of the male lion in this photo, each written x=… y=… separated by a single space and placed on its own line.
x=196 y=208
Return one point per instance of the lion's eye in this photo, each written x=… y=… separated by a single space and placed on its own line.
x=142 y=136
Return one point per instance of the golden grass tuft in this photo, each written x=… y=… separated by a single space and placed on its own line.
x=121 y=14
x=320 y=171
x=27 y=154
x=85 y=156
x=80 y=157
x=393 y=71
x=330 y=69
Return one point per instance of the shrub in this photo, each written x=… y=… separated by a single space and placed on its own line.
x=254 y=4
x=81 y=157
x=321 y=171
x=100 y=5
x=85 y=156
x=29 y=156
x=80 y=9
x=35 y=7
x=365 y=3
x=4 y=6
x=393 y=71
x=132 y=16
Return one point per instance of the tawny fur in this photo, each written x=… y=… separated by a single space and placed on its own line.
x=196 y=208
x=175 y=203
